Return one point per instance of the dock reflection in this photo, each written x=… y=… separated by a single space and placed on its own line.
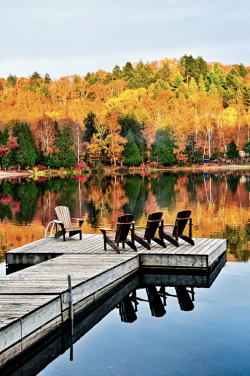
x=127 y=299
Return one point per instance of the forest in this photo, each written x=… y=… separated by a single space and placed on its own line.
x=160 y=113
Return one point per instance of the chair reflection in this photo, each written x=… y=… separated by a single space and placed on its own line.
x=157 y=300
x=182 y=294
x=155 y=303
x=127 y=310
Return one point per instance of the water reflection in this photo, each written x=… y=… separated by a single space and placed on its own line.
x=127 y=301
x=219 y=203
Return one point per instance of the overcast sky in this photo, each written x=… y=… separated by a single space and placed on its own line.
x=66 y=37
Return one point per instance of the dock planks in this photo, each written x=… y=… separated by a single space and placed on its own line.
x=201 y=255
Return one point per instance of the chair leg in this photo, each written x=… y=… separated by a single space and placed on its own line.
x=80 y=235
x=187 y=239
x=131 y=245
x=113 y=245
x=160 y=242
x=142 y=242
x=171 y=240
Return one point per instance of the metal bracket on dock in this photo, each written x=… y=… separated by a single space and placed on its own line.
x=71 y=317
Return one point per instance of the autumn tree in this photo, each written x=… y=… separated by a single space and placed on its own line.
x=8 y=144
x=149 y=135
x=11 y=80
x=114 y=143
x=45 y=134
x=193 y=152
x=95 y=149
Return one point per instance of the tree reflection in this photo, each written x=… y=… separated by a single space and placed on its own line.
x=233 y=182
x=219 y=203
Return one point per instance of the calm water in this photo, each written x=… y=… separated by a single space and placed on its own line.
x=210 y=339
x=219 y=203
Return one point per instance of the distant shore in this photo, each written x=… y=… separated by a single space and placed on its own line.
x=18 y=174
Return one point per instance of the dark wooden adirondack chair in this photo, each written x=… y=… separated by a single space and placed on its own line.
x=124 y=225
x=154 y=223
x=64 y=221
x=172 y=235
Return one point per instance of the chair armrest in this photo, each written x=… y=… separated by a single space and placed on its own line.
x=104 y=230
x=58 y=222
x=80 y=220
x=107 y=229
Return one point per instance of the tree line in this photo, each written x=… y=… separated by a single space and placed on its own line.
x=163 y=112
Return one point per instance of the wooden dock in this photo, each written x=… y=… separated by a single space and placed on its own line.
x=201 y=255
x=34 y=301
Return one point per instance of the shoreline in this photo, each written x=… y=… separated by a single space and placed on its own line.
x=25 y=174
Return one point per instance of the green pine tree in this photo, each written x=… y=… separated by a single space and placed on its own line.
x=25 y=154
x=131 y=151
x=162 y=149
x=65 y=145
x=232 y=151
x=177 y=81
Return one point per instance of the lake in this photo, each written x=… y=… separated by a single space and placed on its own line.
x=146 y=329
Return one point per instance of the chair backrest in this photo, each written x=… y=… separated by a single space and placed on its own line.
x=63 y=215
x=181 y=224
x=127 y=310
x=152 y=224
x=123 y=226
x=155 y=303
x=184 y=299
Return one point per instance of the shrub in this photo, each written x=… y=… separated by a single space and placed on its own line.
x=153 y=164
x=41 y=168
x=80 y=166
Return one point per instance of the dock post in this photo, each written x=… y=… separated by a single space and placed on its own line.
x=71 y=317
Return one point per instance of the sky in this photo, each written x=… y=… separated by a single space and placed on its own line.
x=67 y=37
